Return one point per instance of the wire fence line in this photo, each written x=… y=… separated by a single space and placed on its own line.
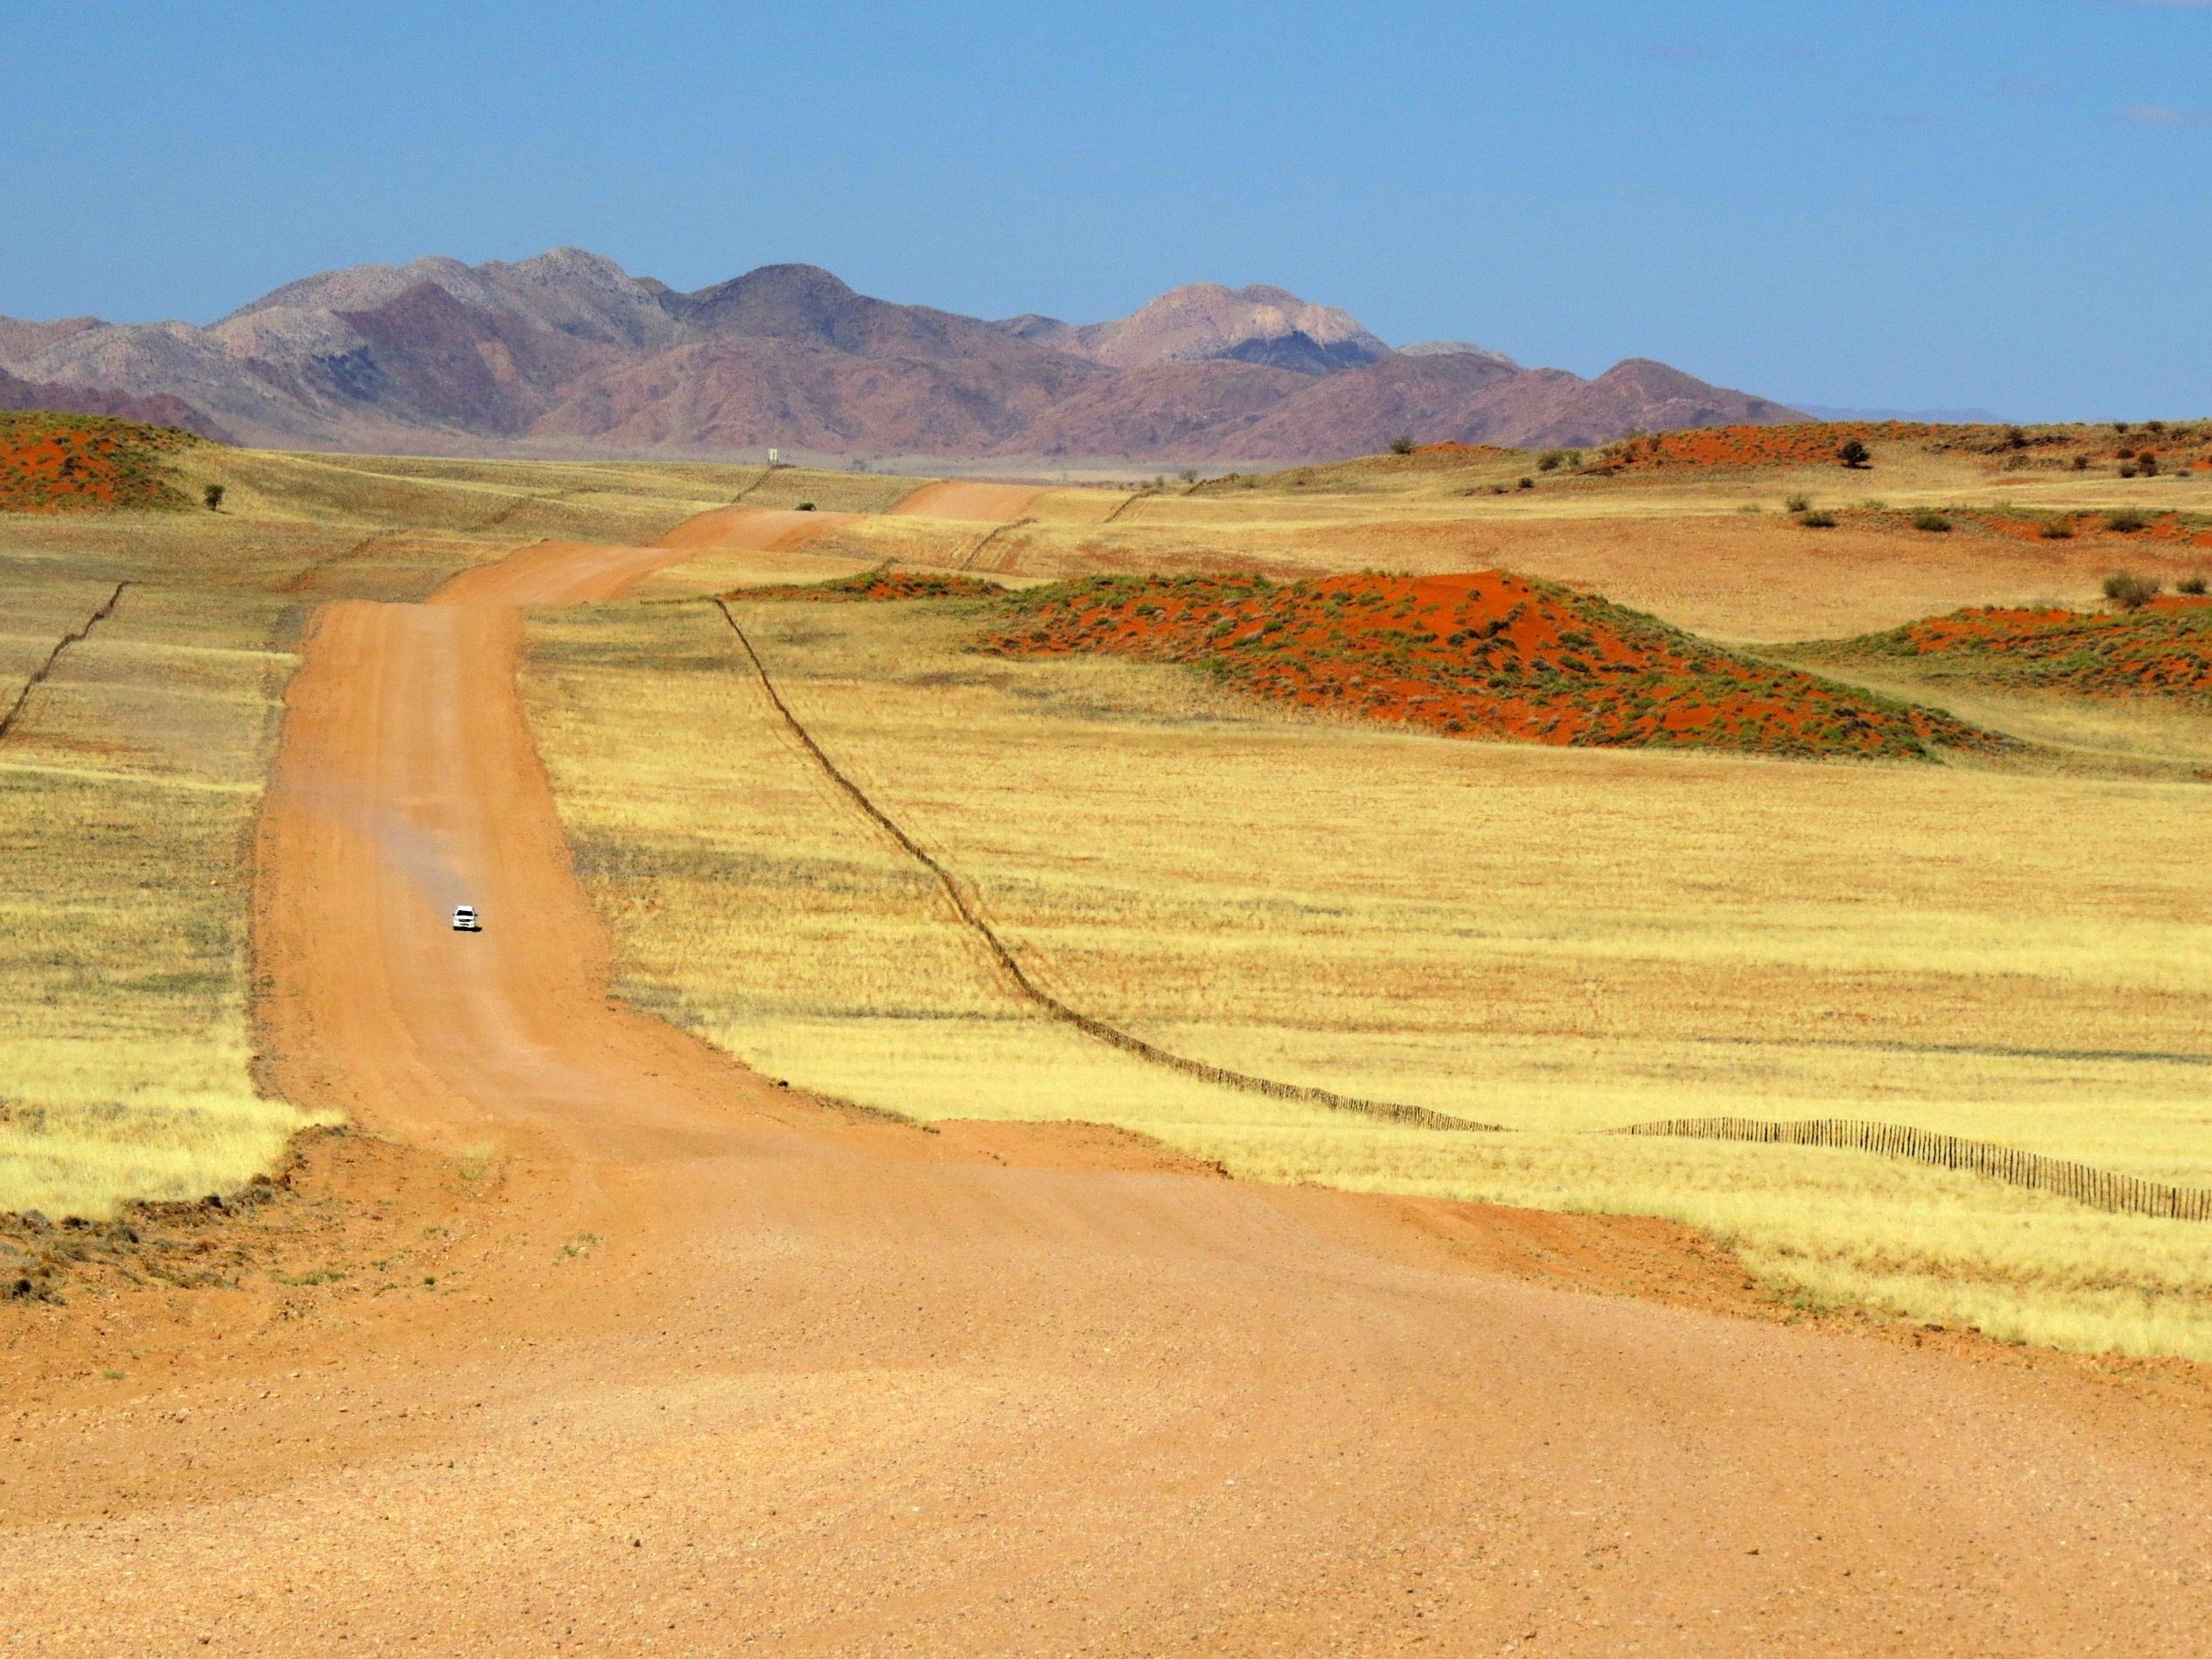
x=1090 y=1025
x=2084 y=1183
x=990 y=536
x=38 y=674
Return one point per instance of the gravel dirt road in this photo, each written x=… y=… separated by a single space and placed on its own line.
x=636 y=1352
x=965 y=498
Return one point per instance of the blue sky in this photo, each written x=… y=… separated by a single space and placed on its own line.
x=1915 y=205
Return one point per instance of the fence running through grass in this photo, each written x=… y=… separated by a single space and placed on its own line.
x=2084 y=1183
x=990 y=536
x=1394 y=1111
x=38 y=674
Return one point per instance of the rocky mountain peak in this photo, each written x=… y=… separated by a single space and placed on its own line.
x=1259 y=324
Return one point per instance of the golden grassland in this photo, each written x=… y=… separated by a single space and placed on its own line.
x=129 y=784
x=1560 y=942
x=127 y=795
x=1712 y=550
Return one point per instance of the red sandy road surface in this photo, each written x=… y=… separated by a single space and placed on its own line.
x=835 y=1387
x=964 y=498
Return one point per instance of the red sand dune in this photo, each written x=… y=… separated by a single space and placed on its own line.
x=1488 y=655
x=70 y=462
x=2164 y=648
x=1769 y=446
x=1805 y=443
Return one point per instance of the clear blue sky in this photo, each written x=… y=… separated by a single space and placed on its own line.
x=1916 y=204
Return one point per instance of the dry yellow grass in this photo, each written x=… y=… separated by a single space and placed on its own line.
x=128 y=787
x=1562 y=942
x=127 y=793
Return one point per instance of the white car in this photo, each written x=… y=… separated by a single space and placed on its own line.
x=465 y=920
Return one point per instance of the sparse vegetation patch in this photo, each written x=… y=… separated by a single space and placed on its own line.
x=878 y=585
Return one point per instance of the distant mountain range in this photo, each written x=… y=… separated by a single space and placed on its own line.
x=568 y=353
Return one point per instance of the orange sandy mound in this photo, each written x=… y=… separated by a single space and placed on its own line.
x=1816 y=443
x=2169 y=528
x=52 y=463
x=1770 y=446
x=876 y=584
x=2165 y=649
x=1488 y=654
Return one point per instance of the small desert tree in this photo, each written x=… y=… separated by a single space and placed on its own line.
x=1852 y=453
x=213 y=496
x=1402 y=445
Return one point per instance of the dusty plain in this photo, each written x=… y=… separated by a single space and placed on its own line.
x=586 y=1335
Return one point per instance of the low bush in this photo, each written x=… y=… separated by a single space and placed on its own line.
x=2129 y=591
x=2193 y=586
x=2057 y=530
x=1797 y=503
x=1402 y=445
x=2126 y=523
x=1817 y=520
x=1930 y=521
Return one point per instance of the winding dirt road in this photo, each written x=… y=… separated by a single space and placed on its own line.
x=725 y=1370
